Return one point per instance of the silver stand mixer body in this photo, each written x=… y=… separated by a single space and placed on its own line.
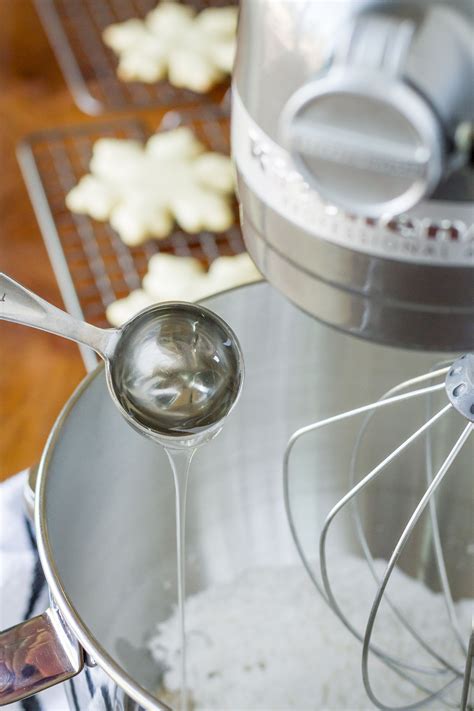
x=402 y=279
x=105 y=500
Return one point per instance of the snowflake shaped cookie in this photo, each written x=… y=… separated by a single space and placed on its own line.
x=143 y=190
x=172 y=278
x=194 y=51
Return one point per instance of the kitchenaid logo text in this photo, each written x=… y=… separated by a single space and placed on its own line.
x=271 y=174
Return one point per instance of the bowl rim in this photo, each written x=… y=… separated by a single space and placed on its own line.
x=97 y=653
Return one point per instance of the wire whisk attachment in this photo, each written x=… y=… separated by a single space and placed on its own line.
x=456 y=683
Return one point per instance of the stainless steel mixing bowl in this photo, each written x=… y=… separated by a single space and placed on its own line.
x=105 y=511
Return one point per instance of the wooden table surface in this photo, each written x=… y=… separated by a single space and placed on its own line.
x=38 y=371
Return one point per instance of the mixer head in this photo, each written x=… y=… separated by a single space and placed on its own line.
x=353 y=126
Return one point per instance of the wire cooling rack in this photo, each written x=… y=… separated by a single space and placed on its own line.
x=74 y=29
x=92 y=264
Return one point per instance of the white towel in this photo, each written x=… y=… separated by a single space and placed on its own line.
x=24 y=594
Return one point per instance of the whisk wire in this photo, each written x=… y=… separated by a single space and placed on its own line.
x=371 y=476
x=466 y=687
x=395 y=664
x=357 y=411
x=438 y=548
x=392 y=562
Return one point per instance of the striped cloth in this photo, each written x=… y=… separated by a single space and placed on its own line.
x=24 y=594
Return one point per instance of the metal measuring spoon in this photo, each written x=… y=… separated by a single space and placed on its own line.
x=175 y=370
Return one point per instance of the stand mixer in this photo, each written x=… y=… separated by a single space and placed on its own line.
x=353 y=126
x=352 y=138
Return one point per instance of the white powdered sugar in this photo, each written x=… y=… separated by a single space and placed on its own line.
x=268 y=641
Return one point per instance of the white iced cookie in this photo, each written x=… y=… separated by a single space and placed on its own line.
x=91 y=196
x=215 y=171
x=228 y=272
x=172 y=278
x=120 y=311
x=143 y=190
x=194 y=51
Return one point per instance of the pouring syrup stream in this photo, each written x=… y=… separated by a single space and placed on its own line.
x=180 y=460
x=174 y=369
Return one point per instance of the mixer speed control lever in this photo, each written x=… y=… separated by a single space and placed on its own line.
x=376 y=133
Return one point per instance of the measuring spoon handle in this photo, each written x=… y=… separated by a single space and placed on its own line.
x=21 y=305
